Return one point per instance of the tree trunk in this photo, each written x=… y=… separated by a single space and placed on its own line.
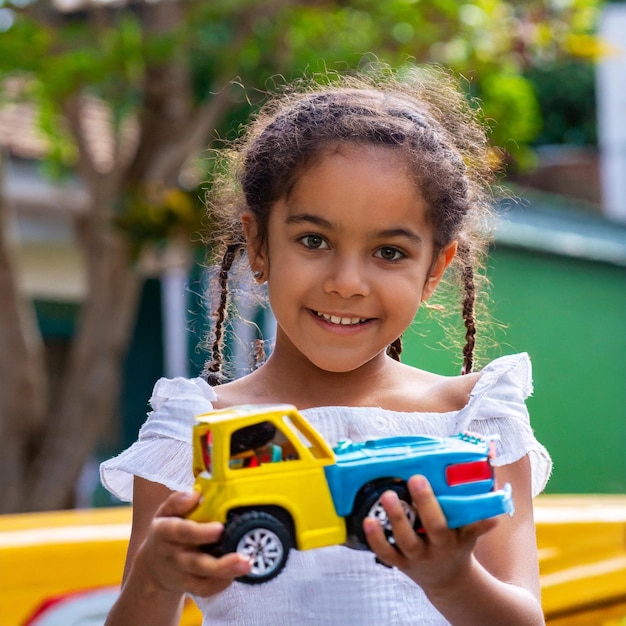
x=89 y=395
x=23 y=388
x=45 y=439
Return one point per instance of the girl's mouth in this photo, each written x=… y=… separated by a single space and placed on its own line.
x=341 y=321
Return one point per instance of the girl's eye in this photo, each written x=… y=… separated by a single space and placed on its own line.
x=388 y=253
x=315 y=242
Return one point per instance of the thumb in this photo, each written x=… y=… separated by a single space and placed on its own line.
x=179 y=504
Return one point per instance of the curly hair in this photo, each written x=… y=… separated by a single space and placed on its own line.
x=419 y=112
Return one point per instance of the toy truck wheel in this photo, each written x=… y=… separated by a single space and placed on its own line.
x=262 y=538
x=371 y=507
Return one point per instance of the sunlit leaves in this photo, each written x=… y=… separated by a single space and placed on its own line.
x=511 y=97
x=153 y=213
x=106 y=52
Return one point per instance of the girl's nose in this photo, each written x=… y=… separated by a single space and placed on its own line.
x=347 y=277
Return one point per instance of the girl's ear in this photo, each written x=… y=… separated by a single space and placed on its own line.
x=254 y=246
x=438 y=269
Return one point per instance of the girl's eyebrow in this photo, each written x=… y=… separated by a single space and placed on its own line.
x=400 y=232
x=389 y=233
x=307 y=217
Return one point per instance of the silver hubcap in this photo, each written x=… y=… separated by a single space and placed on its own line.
x=378 y=513
x=263 y=548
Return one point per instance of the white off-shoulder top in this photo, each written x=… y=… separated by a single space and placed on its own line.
x=335 y=585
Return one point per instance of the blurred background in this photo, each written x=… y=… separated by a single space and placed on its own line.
x=108 y=111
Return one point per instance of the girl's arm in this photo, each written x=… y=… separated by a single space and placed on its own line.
x=163 y=560
x=484 y=573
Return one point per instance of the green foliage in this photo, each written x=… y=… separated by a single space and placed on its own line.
x=509 y=53
x=511 y=97
x=152 y=214
x=566 y=96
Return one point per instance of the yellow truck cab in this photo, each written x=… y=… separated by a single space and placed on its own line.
x=239 y=472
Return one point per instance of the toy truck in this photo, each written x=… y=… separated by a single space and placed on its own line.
x=275 y=484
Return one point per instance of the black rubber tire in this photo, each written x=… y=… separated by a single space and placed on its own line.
x=263 y=538
x=369 y=506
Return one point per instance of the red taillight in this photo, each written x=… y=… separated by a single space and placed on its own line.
x=468 y=472
x=205 y=443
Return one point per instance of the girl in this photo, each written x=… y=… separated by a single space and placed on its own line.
x=351 y=201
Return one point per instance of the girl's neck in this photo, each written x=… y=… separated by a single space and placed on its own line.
x=289 y=377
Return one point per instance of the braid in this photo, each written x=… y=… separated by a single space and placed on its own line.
x=469 y=300
x=213 y=369
x=394 y=350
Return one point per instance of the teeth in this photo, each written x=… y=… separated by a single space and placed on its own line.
x=344 y=321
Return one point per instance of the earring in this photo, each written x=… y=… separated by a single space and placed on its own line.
x=257 y=275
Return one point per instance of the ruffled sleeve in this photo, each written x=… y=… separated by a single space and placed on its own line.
x=162 y=452
x=497 y=407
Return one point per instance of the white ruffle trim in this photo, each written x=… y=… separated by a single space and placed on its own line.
x=160 y=460
x=497 y=407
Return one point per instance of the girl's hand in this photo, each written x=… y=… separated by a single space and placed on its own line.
x=435 y=560
x=170 y=559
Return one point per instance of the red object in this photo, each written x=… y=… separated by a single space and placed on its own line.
x=468 y=472
x=206 y=450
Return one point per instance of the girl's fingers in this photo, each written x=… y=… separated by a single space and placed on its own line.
x=379 y=544
x=406 y=544
x=170 y=523
x=434 y=520
x=428 y=509
x=175 y=530
x=172 y=553
x=405 y=538
x=178 y=504
x=208 y=576
x=226 y=567
x=437 y=533
x=429 y=559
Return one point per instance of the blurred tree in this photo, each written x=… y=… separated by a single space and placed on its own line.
x=169 y=73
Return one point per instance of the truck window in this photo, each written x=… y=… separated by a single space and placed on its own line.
x=255 y=445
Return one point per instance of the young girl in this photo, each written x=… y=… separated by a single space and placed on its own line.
x=350 y=202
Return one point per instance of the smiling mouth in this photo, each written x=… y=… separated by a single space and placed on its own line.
x=341 y=321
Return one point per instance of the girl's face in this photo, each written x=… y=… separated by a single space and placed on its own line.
x=349 y=257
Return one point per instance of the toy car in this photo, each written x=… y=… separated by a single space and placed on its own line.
x=274 y=482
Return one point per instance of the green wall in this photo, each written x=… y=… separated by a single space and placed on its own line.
x=143 y=364
x=570 y=316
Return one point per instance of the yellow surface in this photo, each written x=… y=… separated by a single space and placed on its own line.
x=582 y=551
x=43 y=555
x=47 y=555
x=582 y=557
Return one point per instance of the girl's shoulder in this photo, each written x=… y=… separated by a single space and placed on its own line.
x=504 y=376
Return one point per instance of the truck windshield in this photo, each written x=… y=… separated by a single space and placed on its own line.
x=314 y=448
